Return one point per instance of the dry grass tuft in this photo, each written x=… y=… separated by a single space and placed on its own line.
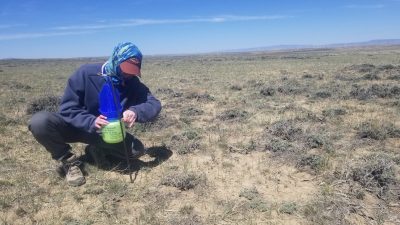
x=327 y=210
x=233 y=115
x=378 y=130
x=288 y=208
x=375 y=91
x=186 y=216
x=286 y=129
x=255 y=200
x=186 y=142
x=184 y=180
x=376 y=174
x=47 y=103
x=162 y=122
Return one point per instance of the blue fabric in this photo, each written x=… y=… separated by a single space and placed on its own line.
x=122 y=52
x=109 y=101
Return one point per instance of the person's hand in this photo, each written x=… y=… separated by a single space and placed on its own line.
x=100 y=121
x=129 y=117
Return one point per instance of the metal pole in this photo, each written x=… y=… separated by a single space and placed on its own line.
x=122 y=130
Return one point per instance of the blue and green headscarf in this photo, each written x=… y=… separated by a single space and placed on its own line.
x=122 y=52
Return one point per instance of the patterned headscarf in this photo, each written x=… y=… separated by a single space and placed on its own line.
x=122 y=52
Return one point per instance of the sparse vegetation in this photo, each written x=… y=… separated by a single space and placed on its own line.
x=333 y=112
x=48 y=103
x=303 y=137
x=378 y=130
x=233 y=115
x=185 y=143
x=288 y=207
x=267 y=91
x=184 y=180
x=376 y=174
x=255 y=199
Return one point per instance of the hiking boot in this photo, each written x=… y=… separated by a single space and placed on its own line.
x=70 y=168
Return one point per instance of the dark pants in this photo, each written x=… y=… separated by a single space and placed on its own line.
x=50 y=130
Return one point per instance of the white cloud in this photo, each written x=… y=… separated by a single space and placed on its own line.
x=6 y=26
x=376 y=6
x=103 y=25
x=143 y=22
x=38 y=35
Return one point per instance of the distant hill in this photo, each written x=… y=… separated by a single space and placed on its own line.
x=380 y=42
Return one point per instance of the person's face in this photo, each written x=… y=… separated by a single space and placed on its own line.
x=126 y=76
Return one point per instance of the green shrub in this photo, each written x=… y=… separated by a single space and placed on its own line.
x=288 y=208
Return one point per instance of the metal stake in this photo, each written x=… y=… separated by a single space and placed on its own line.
x=122 y=130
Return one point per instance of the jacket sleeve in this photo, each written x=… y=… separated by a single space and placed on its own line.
x=147 y=106
x=72 y=108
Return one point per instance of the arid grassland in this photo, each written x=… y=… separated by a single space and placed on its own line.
x=299 y=137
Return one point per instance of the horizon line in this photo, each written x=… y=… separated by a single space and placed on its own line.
x=290 y=47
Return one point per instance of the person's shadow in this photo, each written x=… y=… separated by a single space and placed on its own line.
x=109 y=162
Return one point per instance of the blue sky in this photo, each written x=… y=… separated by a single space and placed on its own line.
x=85 y=28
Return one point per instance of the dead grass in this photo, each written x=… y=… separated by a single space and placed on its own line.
x=378 y=130
x=184 y=180
x=46 y=103
x=376 y=173
x=304 y=137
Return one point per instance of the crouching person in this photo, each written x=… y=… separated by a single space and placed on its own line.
x=79 y=119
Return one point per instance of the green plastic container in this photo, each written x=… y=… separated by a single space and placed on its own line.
x=112 y=132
